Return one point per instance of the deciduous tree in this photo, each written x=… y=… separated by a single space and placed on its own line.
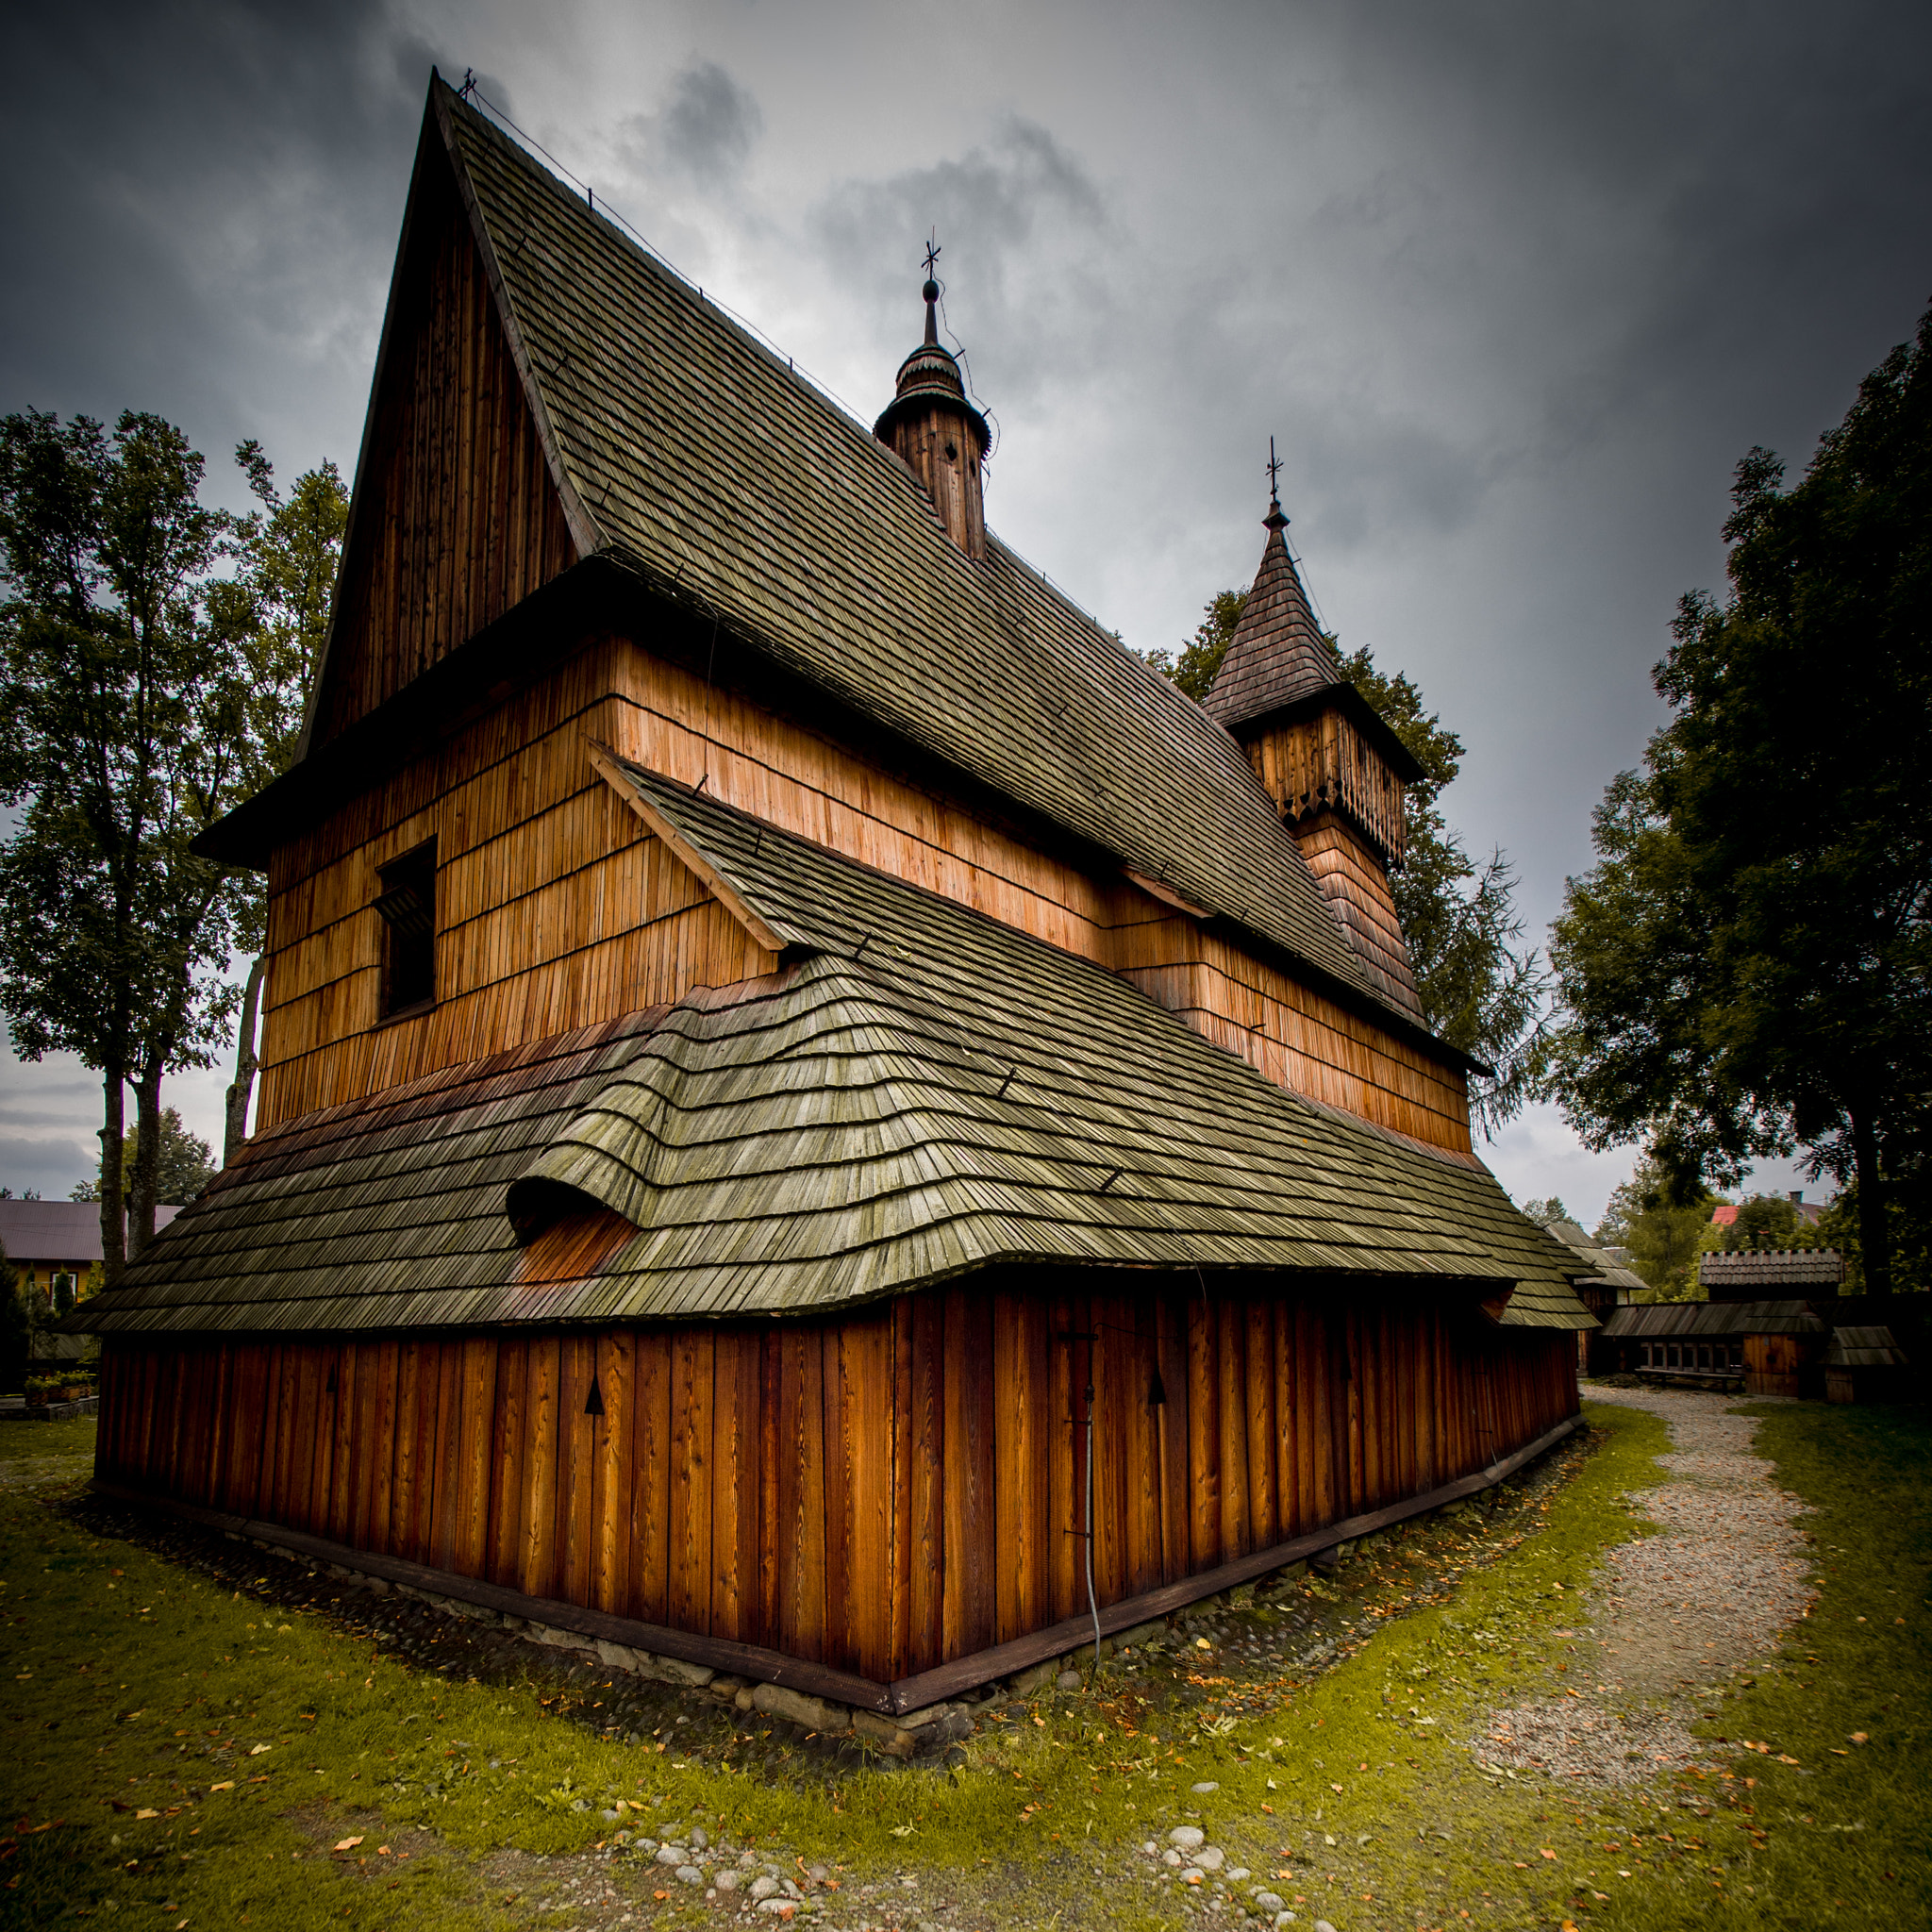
x=1748 y=968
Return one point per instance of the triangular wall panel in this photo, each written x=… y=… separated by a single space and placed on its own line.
x=457 y=517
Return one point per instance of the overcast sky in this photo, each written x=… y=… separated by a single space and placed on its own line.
x=1512 y=285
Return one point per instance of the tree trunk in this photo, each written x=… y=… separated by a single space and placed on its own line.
x=236 y=1137
x=147 y=1156
x=1874 y=1223
x=113 y=1219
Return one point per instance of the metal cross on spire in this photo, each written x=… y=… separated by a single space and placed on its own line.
x=1273 y=520
x=932 y=291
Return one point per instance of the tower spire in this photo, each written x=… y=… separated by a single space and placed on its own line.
x=939 y=435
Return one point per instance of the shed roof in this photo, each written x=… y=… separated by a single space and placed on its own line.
x=1773 y=1268
x=1864 y=1348
x=1605 y=1267
x=1711 y=1317
x=920 y=1092
x=687 y=451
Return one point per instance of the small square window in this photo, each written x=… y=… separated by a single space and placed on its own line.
x=407 y=907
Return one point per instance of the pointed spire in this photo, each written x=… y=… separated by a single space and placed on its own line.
x=941 y=438
x=1278 y=655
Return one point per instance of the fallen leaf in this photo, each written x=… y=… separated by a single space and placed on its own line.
x=256 y=1750
x=1546 y=1853
x=347 y=1845
x=1860 y=1737
x=146 y=1814
x=226 y=1784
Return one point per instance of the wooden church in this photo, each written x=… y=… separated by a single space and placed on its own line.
x=810 y=1102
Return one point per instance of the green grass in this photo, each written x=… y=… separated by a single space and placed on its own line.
x=1847 y=1830
x=127 y=1668
x=37 y=1442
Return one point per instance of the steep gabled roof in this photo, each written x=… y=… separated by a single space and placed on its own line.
x=684 y=448
x=920 y=1092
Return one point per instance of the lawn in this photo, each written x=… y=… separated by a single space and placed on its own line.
x=182 y=1748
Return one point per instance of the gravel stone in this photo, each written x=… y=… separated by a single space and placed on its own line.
x=1269 y=1901
x=1067 y=1680
x=688 y=1874
x=1185 y=1836
x=1210 y=1858
x=1671 y=1611
x=763 y=1888
x=1200 y=1790
x=727 y=1881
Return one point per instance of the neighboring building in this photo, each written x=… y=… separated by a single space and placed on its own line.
x=1748 y=1274
x=1764 y=1348
x=1866 y=1365
x=1611 y=1285
x=1810 y=1212
x=805 y=1092
x=52 y=1244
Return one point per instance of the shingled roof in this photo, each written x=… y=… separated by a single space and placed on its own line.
x=920 y=1091
x=689 y=451
x=1278 y=655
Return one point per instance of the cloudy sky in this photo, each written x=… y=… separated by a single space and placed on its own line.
x=1512 y=286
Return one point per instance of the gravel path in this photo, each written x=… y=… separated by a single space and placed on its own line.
x=1669 y=1613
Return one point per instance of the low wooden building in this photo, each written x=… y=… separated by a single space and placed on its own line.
x=1763 y=1348
x=1866 y=1365
x=818 y=1117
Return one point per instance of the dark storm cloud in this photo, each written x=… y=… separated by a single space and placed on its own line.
x=709 y=124
x=204 y=206
x=1023 y=229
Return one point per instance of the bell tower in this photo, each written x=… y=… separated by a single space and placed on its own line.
x=1327 y=758
x=938 y=434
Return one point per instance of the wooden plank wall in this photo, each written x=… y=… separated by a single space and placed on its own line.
x=881 y=1492
x=1323 y=761
x=456 y=518
x=555 y=911
x=1352 y=879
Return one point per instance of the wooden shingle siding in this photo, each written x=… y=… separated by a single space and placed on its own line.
x=882 y=1492
x=455 y=518
x=558 y=911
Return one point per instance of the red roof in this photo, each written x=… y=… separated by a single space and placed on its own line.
x=1724 y=1213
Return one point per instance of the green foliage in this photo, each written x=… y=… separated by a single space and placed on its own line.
x=1664 y=1237
x=1480 y=988
x=1748 y=968
x=186 y=1165
x=1546 y=1212
x=1908 y=1213
x=1199 y=662
x=17 y=1326
x=1768 y=1221
x=144 y=690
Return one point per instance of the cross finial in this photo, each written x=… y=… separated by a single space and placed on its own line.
x=1273 y=520
x=932 y=291
x=469 y=86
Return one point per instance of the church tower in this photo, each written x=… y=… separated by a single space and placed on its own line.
x=1327 y=758
x=939 y=435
